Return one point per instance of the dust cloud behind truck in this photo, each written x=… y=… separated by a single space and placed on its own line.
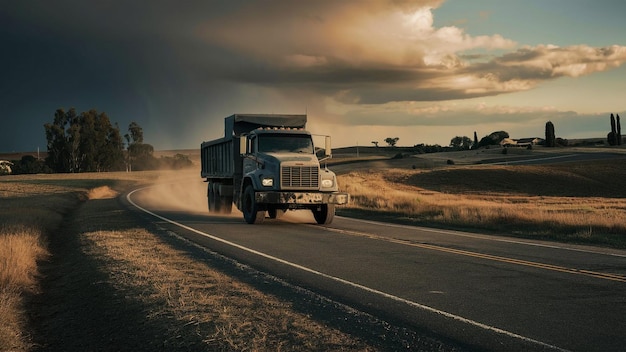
x=267 y=164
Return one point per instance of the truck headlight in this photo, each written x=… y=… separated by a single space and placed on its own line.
x=267 y=182
x=327 y=183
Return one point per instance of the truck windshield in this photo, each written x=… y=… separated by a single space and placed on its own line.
x=285 y=143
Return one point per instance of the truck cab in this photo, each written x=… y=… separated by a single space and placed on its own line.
x=282 y=167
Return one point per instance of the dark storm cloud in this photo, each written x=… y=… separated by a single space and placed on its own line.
x=170 y=64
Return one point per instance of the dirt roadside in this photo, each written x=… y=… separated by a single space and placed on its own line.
x=116 y=283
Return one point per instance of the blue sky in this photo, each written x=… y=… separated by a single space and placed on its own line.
x=424 y=71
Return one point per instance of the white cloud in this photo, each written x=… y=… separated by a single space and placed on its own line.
x=376 y=52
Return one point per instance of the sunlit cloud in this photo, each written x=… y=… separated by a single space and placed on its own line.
x=377 y=52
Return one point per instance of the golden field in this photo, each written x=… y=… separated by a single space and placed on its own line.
x=572 y=202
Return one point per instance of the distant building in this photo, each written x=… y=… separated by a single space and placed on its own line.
x=508 y=142
x=5 y=167
x=521 y=142
x=524 y=142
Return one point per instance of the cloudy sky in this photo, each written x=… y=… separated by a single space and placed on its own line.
x=363 y=70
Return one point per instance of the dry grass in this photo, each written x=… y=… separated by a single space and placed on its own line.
x=25 y=218
x=575 y=203
x=224 y=313
x=20 y=249
x=31 y=207
x=152 y=294
x=22 y=245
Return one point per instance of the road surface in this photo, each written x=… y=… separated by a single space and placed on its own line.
x=485 y=292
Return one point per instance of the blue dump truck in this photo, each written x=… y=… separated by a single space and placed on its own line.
x=267 y=164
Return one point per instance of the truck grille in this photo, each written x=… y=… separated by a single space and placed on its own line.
x=299 y=177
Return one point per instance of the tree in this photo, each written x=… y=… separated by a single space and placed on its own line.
x=140 y=155
x=81 y=143
x=462 y=143
x=136 y=132
x=109 y=144
x=88 y=143
x=73 y=140
x=58 y=158
x=493 y=139
x=618 y=131
x=615 y=136
x=392 y=141
x=550 y=136
x=30 y=165
x=612 y=136
x=475 y=145
x=375 y=143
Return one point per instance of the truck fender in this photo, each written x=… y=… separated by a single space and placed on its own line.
x=253 y=179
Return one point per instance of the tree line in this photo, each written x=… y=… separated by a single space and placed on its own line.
x=614 y=138
x=90 y=142
x=85 y=142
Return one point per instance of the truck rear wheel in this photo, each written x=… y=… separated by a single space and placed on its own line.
x=251 y=212
x=226 y=204
x=214 y=202
x=325 y=214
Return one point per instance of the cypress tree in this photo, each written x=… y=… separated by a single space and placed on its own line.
x=618 y=131
x=612 y=136
x=550 y=136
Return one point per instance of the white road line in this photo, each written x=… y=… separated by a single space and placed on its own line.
x=346 y=282
x=608 y=252
x=527 y=160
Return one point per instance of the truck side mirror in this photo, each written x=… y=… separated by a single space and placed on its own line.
x=327 y=148
x=243 y=145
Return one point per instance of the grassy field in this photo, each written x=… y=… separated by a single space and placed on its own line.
x=53 y=224
x=569 y=202
x=32 y=208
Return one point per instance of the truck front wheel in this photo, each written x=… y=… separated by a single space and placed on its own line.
x=325 y=214
x=251 y=212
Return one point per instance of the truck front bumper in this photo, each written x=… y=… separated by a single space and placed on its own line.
x=302 y=198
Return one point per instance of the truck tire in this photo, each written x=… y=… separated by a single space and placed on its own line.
x=214 y=203
x=226 y=204
x=251 y=212
x=274 y=213
x=325 y=214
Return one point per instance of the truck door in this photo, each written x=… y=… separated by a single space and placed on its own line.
x=250 y=165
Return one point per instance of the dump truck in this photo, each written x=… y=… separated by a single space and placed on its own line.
x=267 y=164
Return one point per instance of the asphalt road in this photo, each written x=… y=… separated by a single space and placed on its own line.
x=485 y=292
x=554 y=158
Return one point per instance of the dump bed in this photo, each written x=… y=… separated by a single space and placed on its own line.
x=236 y=125
x=220 y=158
